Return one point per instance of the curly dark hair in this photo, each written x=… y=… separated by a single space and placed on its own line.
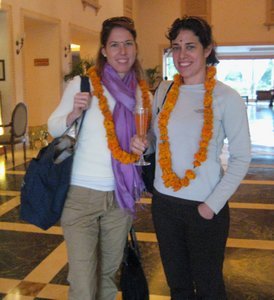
x=200 y=28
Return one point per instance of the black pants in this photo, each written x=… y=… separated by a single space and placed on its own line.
x=191 y=247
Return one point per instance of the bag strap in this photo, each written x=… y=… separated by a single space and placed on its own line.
x=164 y=100
x=167 y=93
x=133 y=241
x=85 y=87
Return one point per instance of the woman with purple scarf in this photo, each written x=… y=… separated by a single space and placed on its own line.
x=104 y=181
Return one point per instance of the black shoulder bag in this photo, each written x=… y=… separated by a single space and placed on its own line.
x=47 y=179
x=133 y=282
x=148 y=172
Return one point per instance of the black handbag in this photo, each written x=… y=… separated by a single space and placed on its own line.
x=47 y=179
x=148 y=172
x=133 y=282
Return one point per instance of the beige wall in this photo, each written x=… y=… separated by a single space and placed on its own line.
x=153 y=19
x=41 y=87
x=240 y=22
x=6 y=86
x=42 y=92
x=235 y=22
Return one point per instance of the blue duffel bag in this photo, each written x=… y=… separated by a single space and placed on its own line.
x=47 y=179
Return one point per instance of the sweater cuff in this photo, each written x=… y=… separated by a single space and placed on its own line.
x=216 y=206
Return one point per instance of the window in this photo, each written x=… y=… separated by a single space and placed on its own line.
x=247 y=75
x=169 y=69
x=244 y=75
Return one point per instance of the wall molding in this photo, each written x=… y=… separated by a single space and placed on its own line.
x=93 y=4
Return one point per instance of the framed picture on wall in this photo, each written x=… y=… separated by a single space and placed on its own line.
x=2 y=69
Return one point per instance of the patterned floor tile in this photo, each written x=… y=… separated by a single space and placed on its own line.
x=21 y=252
x=11 y=182
x=21 y=167
x=12 y=216
x=254 y=194
x=244 y=223
x=251 y=224
x=143 y=221
x=26 y=288
x=249 y=274
x=260 y=174
x=7 y=284
x=61 y=277
x=54 y=291
x=243 y=269
x=153 y=268
x=4 y=199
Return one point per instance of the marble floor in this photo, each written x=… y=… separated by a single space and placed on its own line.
x=33 y=263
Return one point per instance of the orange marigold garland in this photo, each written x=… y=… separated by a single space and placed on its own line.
x=169 y=177
x=113 y=142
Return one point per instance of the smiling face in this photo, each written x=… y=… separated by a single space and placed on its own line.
x=189 y=57
x=120 y=50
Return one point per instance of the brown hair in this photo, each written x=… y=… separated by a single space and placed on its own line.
x=107 y=26
x=200 y=28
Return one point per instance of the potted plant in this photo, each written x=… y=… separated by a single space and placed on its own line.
x=153 y=76
x=79 y=68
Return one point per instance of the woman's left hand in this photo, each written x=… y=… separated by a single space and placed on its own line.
x=205 y=211
x=138 y=145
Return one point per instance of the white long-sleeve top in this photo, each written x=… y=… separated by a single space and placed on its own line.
x=212 y=185
x=92 y=166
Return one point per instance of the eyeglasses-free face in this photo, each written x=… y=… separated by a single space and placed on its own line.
x=120 y=50
x=189 y=57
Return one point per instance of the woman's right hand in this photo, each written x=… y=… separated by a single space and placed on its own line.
x=81 y=103
x=138 y=145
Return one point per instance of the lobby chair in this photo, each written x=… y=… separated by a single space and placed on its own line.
x=17 y=132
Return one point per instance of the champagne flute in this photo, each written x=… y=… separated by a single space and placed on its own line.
x=141 y=122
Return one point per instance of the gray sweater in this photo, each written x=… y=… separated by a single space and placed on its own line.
x=212 y=185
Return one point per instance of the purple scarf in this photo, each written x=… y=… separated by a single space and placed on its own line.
x=128 y=182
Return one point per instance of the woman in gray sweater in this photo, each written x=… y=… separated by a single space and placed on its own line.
x=191 y=189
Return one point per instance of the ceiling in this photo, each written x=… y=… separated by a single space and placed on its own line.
x=247 y=50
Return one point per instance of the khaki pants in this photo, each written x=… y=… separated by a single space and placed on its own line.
x=95 y=230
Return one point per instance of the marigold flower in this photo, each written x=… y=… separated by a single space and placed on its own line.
x=190 y=174
x=203 y=144
x=196 y=163
x=112 y=140
x=169 y=177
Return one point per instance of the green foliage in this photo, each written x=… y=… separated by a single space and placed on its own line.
x=153 y=75
x=79 y=68
x=267 y=77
